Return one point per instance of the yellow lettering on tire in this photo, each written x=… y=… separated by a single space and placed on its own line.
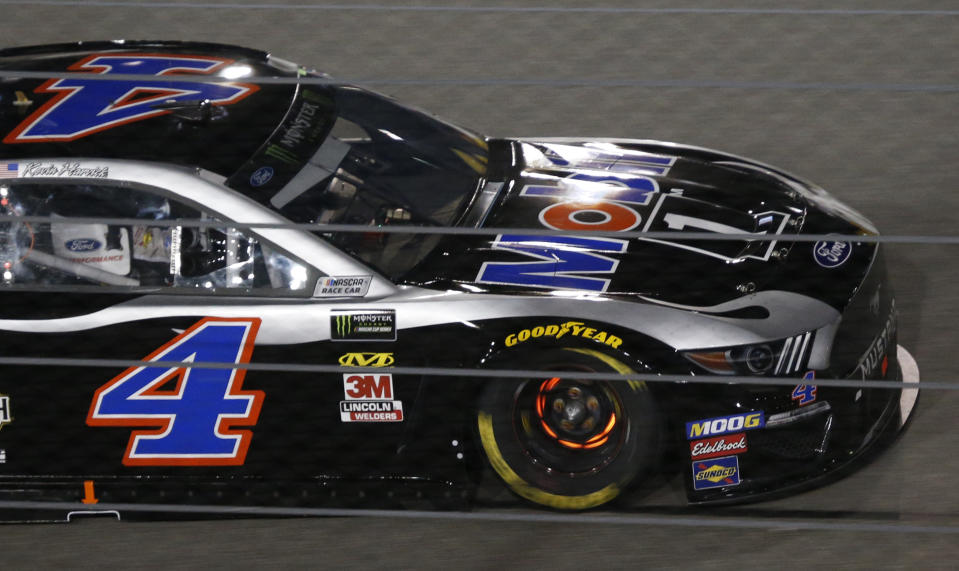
x=524 y=489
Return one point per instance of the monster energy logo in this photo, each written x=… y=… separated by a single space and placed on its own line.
x=377 y=325
x=281 y=154
x=344 y=325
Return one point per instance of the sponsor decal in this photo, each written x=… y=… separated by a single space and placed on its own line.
x=3 y=456
x=716 y=473
x=718 y=446
x=367 y=359
x=725 y=424
x=6 y=415
x=875 y=355
x=261 y=176
x=560 y=262
x=804 y=394
x=560 y=330
x=618 y=193
x=831 y=254
x=9 y=170
x=63 y=170
x=82 y=245
x=369 y=398
x=82 y=107
x=363 y=325
x=343 y=286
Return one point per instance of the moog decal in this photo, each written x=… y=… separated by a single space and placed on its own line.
x=192 y=422
x=81 y=107
x=725 y=424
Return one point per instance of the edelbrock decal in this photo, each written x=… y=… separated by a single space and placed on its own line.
x=718 y=446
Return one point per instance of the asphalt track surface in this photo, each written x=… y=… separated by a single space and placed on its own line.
x=861 y=97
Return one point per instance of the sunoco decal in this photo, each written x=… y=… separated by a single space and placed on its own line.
x=718 y=446
x=343 y=286
x=6 y=417
x=725 y=424
x=360 y=325
x=369 y=398
x=716 y=473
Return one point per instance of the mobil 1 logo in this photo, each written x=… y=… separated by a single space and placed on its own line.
x=363 y=325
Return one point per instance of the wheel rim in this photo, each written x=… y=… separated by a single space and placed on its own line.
x=569 y=426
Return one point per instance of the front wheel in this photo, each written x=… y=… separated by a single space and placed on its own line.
x=568 y=443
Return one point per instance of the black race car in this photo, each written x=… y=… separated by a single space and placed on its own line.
x=176 y=204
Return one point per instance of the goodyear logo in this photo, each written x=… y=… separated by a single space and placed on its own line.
x=367 y=360
x=558 y=331
x=725 y=424
x=716 y=473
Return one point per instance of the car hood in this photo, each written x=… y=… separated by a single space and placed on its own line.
x=644 y=186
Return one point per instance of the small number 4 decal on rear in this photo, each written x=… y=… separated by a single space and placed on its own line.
x=805 y=394
x=192 y=422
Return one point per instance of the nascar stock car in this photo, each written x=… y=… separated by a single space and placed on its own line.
x=163 y=203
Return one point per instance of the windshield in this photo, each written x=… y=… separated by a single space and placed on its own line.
x=347 y=156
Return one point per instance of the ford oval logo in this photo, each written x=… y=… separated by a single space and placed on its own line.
x=82 y=245
x=261 y=176
x=830 y=254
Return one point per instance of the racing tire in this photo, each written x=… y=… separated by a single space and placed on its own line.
x=569 y=444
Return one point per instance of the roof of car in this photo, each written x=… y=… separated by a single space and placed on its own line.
x=212 y=125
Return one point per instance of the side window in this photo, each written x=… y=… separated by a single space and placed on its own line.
x=67 y=241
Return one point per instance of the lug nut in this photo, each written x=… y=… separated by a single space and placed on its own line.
x=592 y=403
x=558 y=405
x=574 y=392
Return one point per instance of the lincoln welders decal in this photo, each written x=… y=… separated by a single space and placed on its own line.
x=363 y=325
x=81 y=107
x=369 y=398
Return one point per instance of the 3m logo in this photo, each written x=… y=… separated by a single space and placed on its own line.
x=362 y=387
x=5 y=416
x=725 y=425
x=82 y=106
x=367 y=360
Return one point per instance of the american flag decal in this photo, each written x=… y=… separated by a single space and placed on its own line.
x=8 y=170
